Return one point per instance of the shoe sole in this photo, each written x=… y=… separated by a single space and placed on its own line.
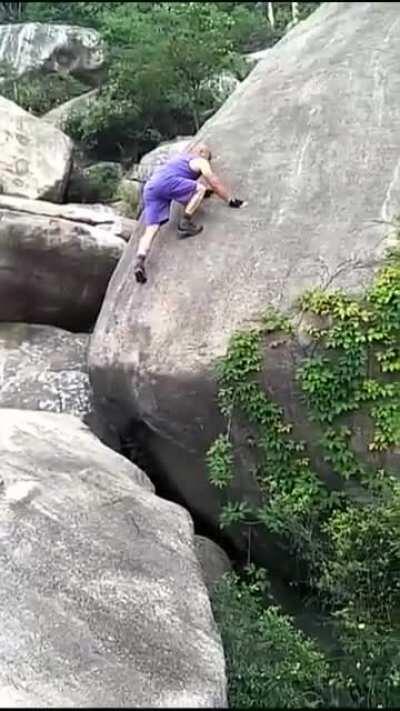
x=140 y=277
x=185 y=234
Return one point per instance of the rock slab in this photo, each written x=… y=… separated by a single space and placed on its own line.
x=102 y=603
x=54 y=271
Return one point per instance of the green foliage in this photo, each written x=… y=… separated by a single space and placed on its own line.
x=158 y=83
x=270 y=664
x=367 y=675
x=128 y=193
x=349 y=543
x=166 y=61
x=293 y=498
x=96 y=183
x=339 y=454
x=220 y=462
x=39 y=93
x=361 y=567
x=363 y=337
x=86 y=14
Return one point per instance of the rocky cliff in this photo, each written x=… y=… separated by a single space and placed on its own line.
x=311 y=139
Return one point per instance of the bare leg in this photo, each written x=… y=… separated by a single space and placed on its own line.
x=143 y=250
x=146 y=241
x=195 y=202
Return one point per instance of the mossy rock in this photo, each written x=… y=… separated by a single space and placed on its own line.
x=128 y=196
x=95 y=183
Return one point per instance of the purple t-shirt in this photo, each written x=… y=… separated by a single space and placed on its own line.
x=171 y=175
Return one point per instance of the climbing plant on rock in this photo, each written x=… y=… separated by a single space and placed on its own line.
x=348 y=533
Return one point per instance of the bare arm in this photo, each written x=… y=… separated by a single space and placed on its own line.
x=213 y=181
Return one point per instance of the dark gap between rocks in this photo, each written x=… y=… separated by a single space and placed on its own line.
x=292 y=596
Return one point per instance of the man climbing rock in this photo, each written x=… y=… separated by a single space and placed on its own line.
x=178 y=180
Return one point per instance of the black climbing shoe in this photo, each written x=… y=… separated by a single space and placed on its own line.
x=208 y=193
x=140 y=272
x=187 y=228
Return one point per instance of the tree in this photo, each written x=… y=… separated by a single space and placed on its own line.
x=295 y=12
x=270 y=12
x=11 y=11
x=197 y=47
x=181 y=46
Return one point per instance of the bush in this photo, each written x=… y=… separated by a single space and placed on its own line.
x=368 y=675
x=270 y=664
x=39 y=93
x=157 y=85
x=95 y=183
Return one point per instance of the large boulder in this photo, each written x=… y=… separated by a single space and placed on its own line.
x=33 y=46
x=96 y=214
x=102 y=599
x=311 y=139
x=213 y=560
x=54 y=271
x=35 y=158
x=59 y=116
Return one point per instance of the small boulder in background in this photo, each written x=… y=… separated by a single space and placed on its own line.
x=33 y=46
x=95 y=183
x=35 y=158
x=54 y=271
x=59 y=116
x=213 y=560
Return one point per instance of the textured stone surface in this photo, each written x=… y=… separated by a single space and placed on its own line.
x=54 y=271
x=34 y=46
x=311 y=139
x=101 y=216
x=213 y=560
x=35 y=158
x=102 y=602
x=44 y=368
x=58 y=117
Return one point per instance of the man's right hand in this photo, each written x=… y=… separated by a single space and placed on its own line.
x=235 y=202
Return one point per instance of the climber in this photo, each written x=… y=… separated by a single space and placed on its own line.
x=179 y=180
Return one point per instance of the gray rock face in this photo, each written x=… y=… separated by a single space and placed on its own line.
x=58 y=117
x=102 y=216
x=311 y=139
x=44 y=368
x=54 y=271
x=35 y=158
x=34 y=46
x=101 y=593
x=213 y=560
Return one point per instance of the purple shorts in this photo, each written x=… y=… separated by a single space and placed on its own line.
x=157 y=199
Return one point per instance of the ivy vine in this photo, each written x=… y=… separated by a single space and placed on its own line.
x=352 y=542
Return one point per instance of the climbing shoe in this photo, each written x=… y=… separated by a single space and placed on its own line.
x=140 y=272
x=187 y=228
